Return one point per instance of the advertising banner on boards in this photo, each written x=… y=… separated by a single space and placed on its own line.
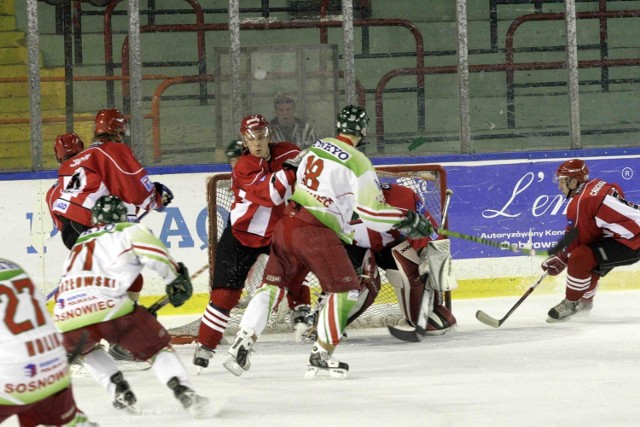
x=514 y=202
x=519 y=204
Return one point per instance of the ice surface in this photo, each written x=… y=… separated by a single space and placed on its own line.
x=584 y=372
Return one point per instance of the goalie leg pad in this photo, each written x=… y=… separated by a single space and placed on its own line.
x=440 y=321
x=439 y=258
x=406 y=281
x=370 y=284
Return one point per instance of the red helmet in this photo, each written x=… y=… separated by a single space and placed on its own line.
x=67 y=146
x=251 y=124
x=574 y=168
x=110 y=122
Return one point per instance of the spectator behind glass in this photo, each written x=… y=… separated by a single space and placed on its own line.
x=286 y=126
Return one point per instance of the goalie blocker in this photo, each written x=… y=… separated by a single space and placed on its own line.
x=415 y=283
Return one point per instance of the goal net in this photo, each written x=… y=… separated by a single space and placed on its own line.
x=428 y=181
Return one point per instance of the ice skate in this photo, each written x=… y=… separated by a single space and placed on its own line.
x=81 y=420
x=563 y=311
x=197 y=405
x=202 y=356
x=239 y=359
x=322 y=363
x=124 y=397
x=586 y=304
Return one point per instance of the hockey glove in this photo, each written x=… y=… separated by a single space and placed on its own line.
x=165 y=194
x=556 y=264
x=294 y=162
x=415 y=226
x=180 y=290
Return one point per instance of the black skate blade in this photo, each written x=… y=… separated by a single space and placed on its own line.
x=409 y=335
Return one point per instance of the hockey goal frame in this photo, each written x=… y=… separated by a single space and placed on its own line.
x=430 y=178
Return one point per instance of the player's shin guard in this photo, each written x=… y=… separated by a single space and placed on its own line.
x=332 y=322
x=370 y=284
x=332 y=319
x=252 y=324
x=214 y=322
x=101 y=367
x=167 y=365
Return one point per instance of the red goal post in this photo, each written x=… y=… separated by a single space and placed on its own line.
x=428 y=181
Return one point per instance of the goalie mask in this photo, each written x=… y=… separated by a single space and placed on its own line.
x=108 y=210
x=67 y=146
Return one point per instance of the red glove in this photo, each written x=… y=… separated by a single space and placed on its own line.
x=556 y=264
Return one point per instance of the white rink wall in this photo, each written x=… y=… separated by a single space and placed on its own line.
x=27 y=229
x=511 y=200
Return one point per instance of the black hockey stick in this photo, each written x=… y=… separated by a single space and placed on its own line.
x=562 y=243
x=416 y=334
x=495 y=323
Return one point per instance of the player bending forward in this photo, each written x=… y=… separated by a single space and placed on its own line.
x=333 y=181
x=406 y=264
x=34 y=376
x=108 y=166
x=260 y=187
x=608 y=236
x=92 y=304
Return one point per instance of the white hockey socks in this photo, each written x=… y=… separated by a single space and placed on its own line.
x=101 y=367
x=167 y=364
x=262 y=303
x=332 y=319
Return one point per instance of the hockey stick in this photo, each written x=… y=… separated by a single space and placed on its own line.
x=495 y=323
x=419 y=332
x=562 y=243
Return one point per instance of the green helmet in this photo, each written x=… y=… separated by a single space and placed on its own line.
x=352 y=120
x=108 y=210
x=234 y=149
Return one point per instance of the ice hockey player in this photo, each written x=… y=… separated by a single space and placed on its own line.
x=261 y=187
x=406 y=264
x=108 y=166
x=608 y=236
x=92 y=304
x=233 y=152
x=32 y=357
x=65 y=147
x=333 y=181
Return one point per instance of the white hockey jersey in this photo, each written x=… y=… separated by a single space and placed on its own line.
x=33 y=362
x=334 y=180
x=101 y=267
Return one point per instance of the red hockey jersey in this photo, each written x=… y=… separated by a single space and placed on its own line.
x=598 y=209
x=261 y=189
x=52 y=195
x=102 y=169
x=400 y=197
